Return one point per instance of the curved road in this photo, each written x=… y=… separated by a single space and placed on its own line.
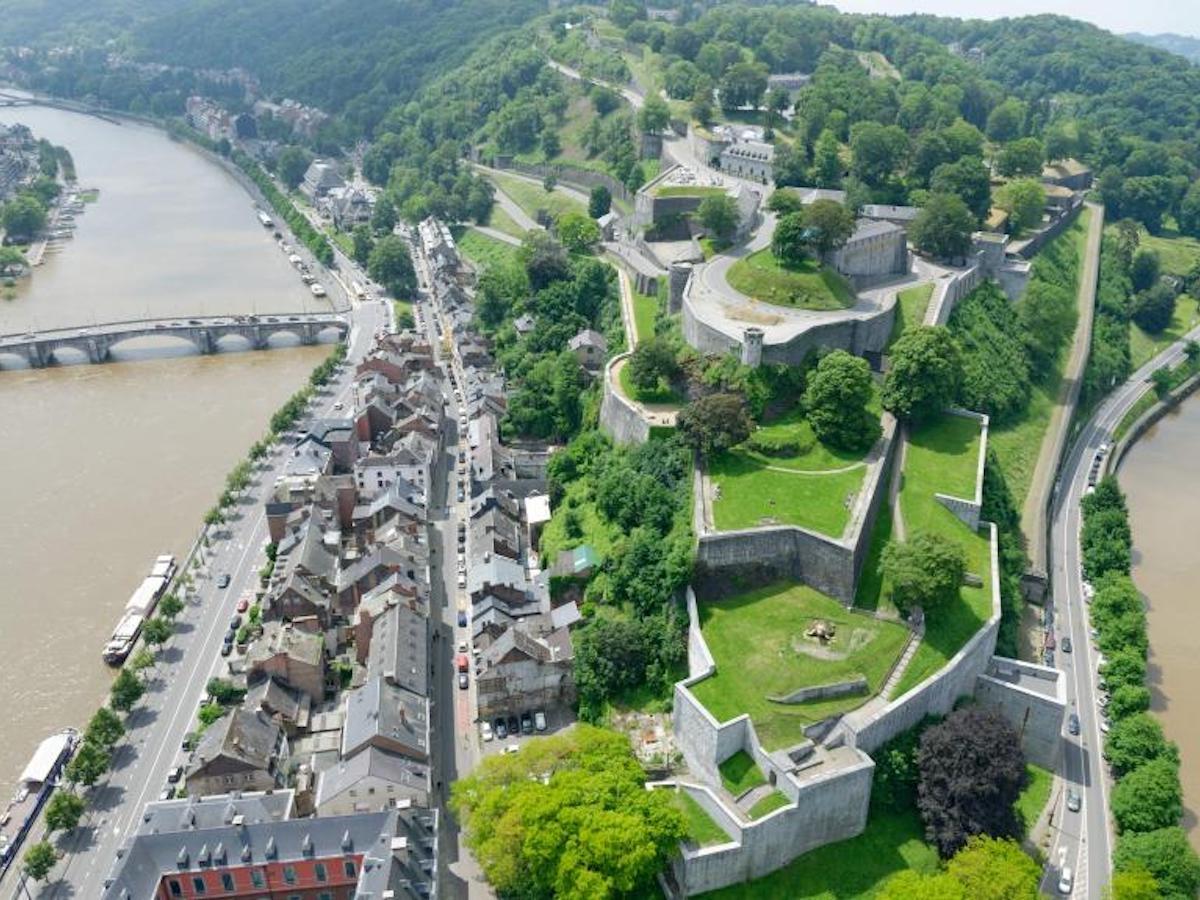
x=1085 y=838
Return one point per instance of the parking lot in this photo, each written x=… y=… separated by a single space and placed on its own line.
x=557 y=718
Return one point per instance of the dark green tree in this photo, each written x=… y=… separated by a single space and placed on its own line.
x=926 y=373
x=943 y=227
x=714 y=423
x=599 y=201
x=291 y=165
x=925 y=571
x=391 y=265
x=838 y=395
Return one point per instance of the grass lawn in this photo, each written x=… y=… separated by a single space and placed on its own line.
x=768 y=804
x=1033 y=799
x=807 y=286
x=502 y=221
x=701 y=829
x=484 y=250
x=758 y=644
x=1176 y=253
x=942 y=457
x=911 y=313
x=645 y=308
x=403 y=310
x=848 y=870
x=873 y=591
x=1143 y=346
x=740 y=773
x=531 y=197
x=662 y=394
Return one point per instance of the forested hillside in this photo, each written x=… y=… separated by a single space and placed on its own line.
x=1184 y=45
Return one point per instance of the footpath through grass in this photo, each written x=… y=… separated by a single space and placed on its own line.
x=807 y=286
x=533 y=197
x=760 y=648
x=942 y=457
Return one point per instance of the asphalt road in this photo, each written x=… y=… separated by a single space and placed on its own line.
x=1083 y=841
x=157 y=727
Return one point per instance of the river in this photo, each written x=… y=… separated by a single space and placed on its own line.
x=104 y=467
x=1164 y=506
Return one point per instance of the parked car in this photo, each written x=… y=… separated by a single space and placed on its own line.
x=1074 y=801
x=226 y=649
x=174 y=775
x=485 y=731
x=526 y=723
x=501 y=728
x=243 y=604
x=462 y=580
x=462 y=646
x=230 y=636
x=462 y=618
x=236 y=622
x=463 y=681
x=539 y=720
x=1066 y=645
x=514 y=726
x=223 y=581
x=1066 y=881
x=1073 y=724
x=166 y=793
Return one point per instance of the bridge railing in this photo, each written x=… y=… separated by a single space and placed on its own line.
x=184 y=322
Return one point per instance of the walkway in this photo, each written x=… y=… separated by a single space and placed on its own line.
x=1033 y=515
x=498 y=235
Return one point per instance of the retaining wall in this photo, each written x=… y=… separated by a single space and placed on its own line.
x=572 y=176
x=952 y=290
x=1051 y=231
x=619 y=418
x=1033 y=699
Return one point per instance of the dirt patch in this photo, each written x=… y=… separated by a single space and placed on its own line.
x=757 y=316
x=840 y=649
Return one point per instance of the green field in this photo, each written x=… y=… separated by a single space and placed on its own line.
x=912 y=304
x=532 y=197
x=942 y=457
x=1143 y=346
x=645 y=309
x=807 y=286
x=502 y=221
x=768 y=804
x=701 y=829
x=1176 y=253
x=1033 y=798
x=740 y=773
x=662 y=395
x=758 y=643
x=484 y=250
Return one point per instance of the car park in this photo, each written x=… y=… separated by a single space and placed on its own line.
x=539 y=720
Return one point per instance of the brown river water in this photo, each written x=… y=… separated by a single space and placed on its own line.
x=104 y=467
x=1164 y=504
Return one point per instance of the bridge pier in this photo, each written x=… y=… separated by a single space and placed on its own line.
x=308 y=335
x=258 y=338
x=37 y=356
x=205 y=341
x=97 y=351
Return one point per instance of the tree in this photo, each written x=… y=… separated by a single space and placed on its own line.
x=391 y=265
x=943 y=227
x=1149 y=797
x=64 y=810
x=23 y=217
x=719 y=214
x=39 y=860
x=143 y=659
x=1004 y=121
x=12 y=260
x=827 y=160
x=967 y=179
x=912 y=885
x=126 y=690
x=567 y=816
x=743 y=85
x=1135 y=883
x=784 y=202
x=837 y=397
x=88 y=764
x=363 y=243
x=1135 y=741
x=209 y=713
x=599 y=201
x=789 y=242
x=604 y=99
x=1167 y=855
x=830 y=225
x=104 y=728
x=1023 y=199
x=1144 y=269
x=1154 y=308
x=578 y=232
x=972 y=771
x=650 y=362
x=926 y=373
x=170 y=606
x=384 y=217
x=1021 y=157
x=1189 y=211
x=654 y=116
x=1125 y=668
x=877 y=152
x=925 y=571
x=157 y=631
x=293 y=162
x=714 y=423
x=995 y=869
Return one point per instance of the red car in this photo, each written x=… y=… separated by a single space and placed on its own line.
x=243 y=604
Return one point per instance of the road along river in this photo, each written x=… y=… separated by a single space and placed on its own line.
x=104 y=467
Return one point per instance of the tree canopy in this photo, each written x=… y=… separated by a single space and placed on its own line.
x=839 y=392
x=926 y=373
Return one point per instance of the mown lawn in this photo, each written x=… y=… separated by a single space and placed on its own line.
x=740 y=773
x=807 y=286
x=912 y=303
x=1144 y=346
x=768 y=804
x=532 y=197
x=645 y=308
x=701 y=829
x=502 y=221
x=758 y=644
x=484 y=250
x=848 y=870
x=1176 y=253
x=942 y=457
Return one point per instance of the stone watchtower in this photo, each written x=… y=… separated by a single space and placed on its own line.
x=677 y=283
x=752 y=345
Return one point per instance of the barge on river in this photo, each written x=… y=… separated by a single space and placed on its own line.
x=33 y=790
x=139 y=608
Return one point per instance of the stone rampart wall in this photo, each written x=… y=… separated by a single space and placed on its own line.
x=1037 y=715
x=619 y=418
x=1053 y=230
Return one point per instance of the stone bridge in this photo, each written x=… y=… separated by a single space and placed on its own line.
x=205 y=333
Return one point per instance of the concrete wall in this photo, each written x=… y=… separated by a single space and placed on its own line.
x=619 y=418
x=1033 y=699
x=951 y=290
x=1030 y=248
x=873 y=255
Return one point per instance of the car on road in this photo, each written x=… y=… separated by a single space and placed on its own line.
x=1074 y=801
x=1066 y=645
x=1066 y=881
x=166 y=793
x=223 y=580
x=338 y=405
x=243 y=604
x=539 y=720
x=463 y=681
x=462 y=580
x=462 y=618
x=462 y=646
x=195 y=322
x=526 y=723
x=1073 y=724
x=461 y=495
x=485 y=731
x=501 y=728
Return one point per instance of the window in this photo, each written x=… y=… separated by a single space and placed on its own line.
x=256 y=878
x=289 y=874
x=324 y=895
x=227 y=881
x=198 y=886
x=350 y=869
x=321 y=874
x=176 y=888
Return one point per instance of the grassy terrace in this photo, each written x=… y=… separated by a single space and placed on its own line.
x=1143 y=346
x=942 y=457
x=768 y=804
x=701 y=829
x=809 y=487
x=482 y=249
x=502 y=221
x=806 y=286
x=758 y=644
x=645 y=308
x=662 y=395
x=740 y=773
x=913 y=303
x=531 y=197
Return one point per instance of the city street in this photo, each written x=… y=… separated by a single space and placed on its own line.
x=1083 y=841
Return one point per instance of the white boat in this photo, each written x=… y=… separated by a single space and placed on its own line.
x=34 y=788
